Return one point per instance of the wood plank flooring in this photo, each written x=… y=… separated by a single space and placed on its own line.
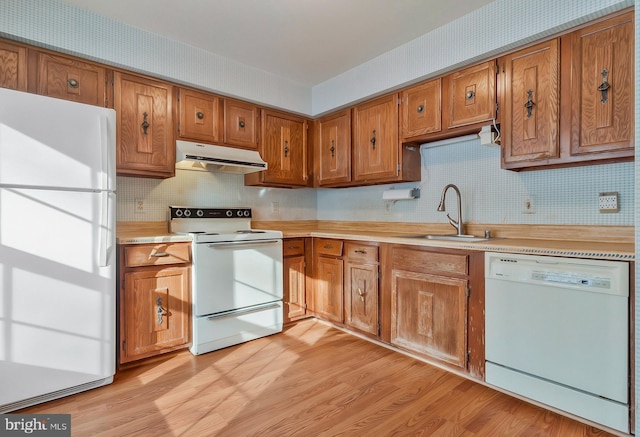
x=311 y=380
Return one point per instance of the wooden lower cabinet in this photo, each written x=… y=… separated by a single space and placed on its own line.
x=428 y=315
x=361 y=287
x=432 y=304
x=295 y=279
x=328 y=274
x=154 y=300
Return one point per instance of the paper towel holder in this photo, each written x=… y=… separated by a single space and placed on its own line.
x=404 y=194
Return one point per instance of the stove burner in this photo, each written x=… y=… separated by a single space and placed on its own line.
x=249 y=231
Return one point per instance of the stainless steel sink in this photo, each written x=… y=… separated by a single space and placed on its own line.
x=452 y=237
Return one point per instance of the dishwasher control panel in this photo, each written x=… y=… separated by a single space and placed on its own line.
x=571 y=278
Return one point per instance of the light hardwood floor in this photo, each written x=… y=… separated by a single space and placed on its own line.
x=311 y=380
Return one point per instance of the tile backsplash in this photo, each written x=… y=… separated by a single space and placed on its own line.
x=489 y=194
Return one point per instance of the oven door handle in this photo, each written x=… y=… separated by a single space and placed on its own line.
x=242 y=244
x=240 y=311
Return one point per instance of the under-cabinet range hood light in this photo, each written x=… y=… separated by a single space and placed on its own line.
x=448 y=141
x=404 y=194
x=207 y=157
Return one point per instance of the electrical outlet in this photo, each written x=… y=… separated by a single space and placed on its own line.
x=139 y=206
x=275 y=208
x=608 y=202
x=527 y=207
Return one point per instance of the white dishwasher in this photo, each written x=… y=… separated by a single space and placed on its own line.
x=557 y=332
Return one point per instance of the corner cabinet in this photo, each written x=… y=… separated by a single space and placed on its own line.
x=328 y=274
x=154 y=299
x=295 y=278
x=284 y=146
x=378 y=156
x=13 y=66
x=145 y=134
x=361 y=287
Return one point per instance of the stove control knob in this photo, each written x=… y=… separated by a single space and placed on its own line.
x=178 y=213
x=199 y=213
x=247 y=213
x=187 y=213
x=229 y=213
x=239 y=213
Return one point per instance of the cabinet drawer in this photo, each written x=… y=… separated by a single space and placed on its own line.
x=361 y=252
x=157 y=254
x=433 y=262
x=292 y=247
x=326 y=246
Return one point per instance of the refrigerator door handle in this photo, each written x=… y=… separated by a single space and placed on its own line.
x=105 y=229
x=104 y=150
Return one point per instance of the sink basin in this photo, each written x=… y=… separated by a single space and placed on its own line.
x=452 y=237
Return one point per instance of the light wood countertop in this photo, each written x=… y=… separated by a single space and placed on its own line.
x=596 y=242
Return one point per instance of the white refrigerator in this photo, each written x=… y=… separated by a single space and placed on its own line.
x=57 y=248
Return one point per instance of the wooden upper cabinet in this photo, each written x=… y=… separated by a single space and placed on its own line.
x=531 y=104
x=421 y=109
x=470 y=96
x=71 y=79
x=200 y=116
x=375 y=139
x=13 y=66
x=241 y=124
x=332 y=147
x=602 y=88
x=284 y=146
x=145 y=135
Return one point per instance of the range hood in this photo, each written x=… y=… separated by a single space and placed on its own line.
x=207 y=157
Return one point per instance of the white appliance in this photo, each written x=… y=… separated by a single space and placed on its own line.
x=57 y=248
x=237 y=283
x=557 y=332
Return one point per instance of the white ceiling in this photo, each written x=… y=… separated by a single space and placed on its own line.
x=305 y=41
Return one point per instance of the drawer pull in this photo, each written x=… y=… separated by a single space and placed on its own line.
x=362 y=251
x=293 y=247
x=159 y=255
x=328 y=246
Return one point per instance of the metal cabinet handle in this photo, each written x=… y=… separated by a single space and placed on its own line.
x=145 y=124
x=73 y=83
x=469 y=95
x=332 y=149
x=241 y=124
x=373 y=140
x=361 y=294
x=362 y=251
x=286 y=148
x=160 y=312
x=159 y=254
x=328 y=246
x=530 y=103
x=200 y=115
x=420 y=109
x=604 y=86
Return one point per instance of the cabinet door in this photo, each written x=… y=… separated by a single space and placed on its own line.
x=240 y=124
x=333 y=149
x=200 y=116
x=530 y=128
x=361 y=296
x=375 y=146
x=294 y=287
x=71 y=79
x=328 y=288
x=602 y=88
x=284 y=147
x=429 y=314
x=471 y=95
x=155 y=309
x=421 y=109
x=13 y=66
x=145 y=137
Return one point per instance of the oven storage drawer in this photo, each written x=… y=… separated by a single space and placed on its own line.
x=223 y=330
x=157 y=254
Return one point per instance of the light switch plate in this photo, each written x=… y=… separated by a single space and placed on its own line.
x=608 y=202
